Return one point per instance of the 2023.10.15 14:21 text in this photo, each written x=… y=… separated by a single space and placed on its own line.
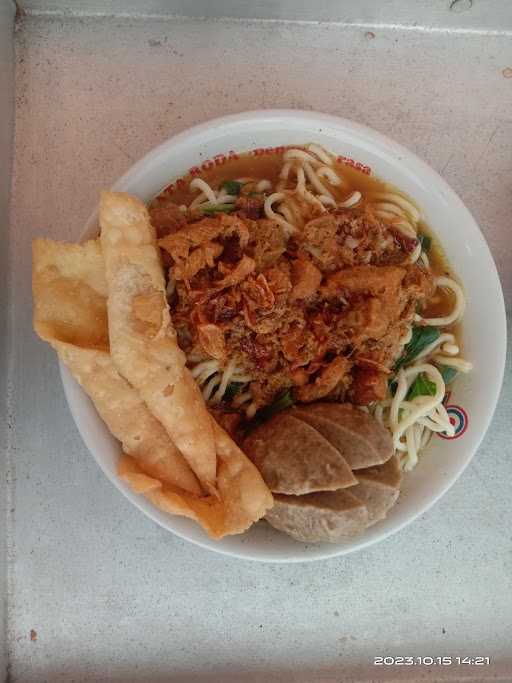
x=446 y=660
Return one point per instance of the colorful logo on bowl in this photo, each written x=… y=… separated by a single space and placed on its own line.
x=458 y=418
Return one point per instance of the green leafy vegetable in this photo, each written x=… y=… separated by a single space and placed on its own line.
x=447 y=373
x=425 y=241
x=231 y=187
x=421 y=386
x=233 y=389
x=285 y=400
x=218 y=208
x=421 y=338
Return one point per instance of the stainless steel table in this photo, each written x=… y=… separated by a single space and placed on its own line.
x=97 y=592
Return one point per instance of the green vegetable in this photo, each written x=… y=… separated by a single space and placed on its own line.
x=425 y=241
x=421 y=386
x=232 y=390
x=218 y=208
x=231 y=187
x=447 y=373
x=421 y=338
x=285 y=400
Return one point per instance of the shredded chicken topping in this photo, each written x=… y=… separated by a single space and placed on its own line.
x=321 y=313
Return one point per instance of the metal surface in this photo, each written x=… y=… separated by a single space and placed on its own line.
x=109 y=595
x=458 y=15
x=6 y=136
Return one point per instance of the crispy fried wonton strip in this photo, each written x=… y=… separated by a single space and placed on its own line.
x=243 y=498
x=172 y=500
x=127 y=416
x=70 y=279
x=144 y=347
x=70 y=313
x=154 y=467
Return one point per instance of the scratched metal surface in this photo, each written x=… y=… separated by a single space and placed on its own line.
x=6 y=136
x=96 y=590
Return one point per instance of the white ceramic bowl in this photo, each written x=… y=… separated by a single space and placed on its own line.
x=474 y=396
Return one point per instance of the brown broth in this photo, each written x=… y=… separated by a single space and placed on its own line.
x=268 y=166
x=246 y=165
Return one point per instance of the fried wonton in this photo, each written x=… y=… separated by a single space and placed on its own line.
x=143 y=342
x=70 y=313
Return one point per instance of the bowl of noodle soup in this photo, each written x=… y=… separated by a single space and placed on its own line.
x=441 y=373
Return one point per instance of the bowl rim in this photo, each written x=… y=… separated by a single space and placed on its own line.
x=421 y=169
